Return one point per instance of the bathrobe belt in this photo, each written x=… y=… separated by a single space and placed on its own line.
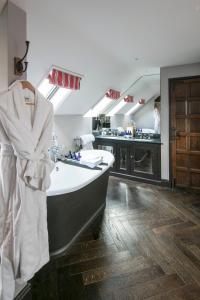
x=33 y=170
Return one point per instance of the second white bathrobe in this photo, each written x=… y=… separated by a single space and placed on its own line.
x=25 y=166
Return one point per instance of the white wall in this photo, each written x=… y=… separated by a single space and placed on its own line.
x=68 y=127
x=118 y=121
x=165 y=74
x=143 y=118
x=16 y=38
x=3 y=50
x=12 y=42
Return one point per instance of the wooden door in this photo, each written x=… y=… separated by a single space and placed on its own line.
x=185 y=132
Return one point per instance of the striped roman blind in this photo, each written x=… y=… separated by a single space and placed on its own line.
x=112 y=94
x=128 y=99
x=64 y=80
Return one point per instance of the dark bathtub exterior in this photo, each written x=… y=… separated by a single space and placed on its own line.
x=69 y=214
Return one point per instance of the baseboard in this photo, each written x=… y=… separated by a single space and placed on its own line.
x=166 y=183
x=134 y=178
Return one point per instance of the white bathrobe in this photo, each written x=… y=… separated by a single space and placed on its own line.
x=25 y=166
x=156 y=121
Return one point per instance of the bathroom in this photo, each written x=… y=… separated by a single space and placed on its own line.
x=99 y=150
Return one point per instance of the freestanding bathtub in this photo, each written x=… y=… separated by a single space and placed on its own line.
x=75 y=199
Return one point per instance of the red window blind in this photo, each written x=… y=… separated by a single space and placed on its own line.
x=112 y=94
x=142 y=101
x=64 y=80
x=128 y=99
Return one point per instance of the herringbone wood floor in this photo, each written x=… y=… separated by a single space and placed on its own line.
x=149 y=248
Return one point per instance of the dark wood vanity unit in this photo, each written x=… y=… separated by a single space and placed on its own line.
x=138 y=159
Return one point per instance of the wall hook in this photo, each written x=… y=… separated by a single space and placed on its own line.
x=20 y=66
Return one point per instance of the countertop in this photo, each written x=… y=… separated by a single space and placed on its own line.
x=71 y=178
x=132 y=139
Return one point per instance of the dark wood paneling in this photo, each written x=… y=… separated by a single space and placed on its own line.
x=195 y=143
x=181 y=143
x=181 y=124
x=180 y=108
x=195 y=125
x=185 y=136
x=195 y=179
x=181 y=160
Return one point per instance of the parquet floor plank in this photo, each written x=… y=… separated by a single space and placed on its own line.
x=148 y=248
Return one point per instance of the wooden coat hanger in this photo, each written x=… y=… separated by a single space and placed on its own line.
x=27 y=85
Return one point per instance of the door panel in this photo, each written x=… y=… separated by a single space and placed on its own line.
x=195 y=125
x=180 y=108
x=195 y=180
x=145 y=161
x=180 y=89
x=194 y=161
x=123 y=164
x=181 y=143
x=195 y=88
x=182 y=179
x=195 y=143
x=185 y=133
x=181 y=160
x=180 y=124
x=193 y=106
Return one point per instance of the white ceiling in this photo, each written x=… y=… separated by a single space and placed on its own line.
x=101 y=40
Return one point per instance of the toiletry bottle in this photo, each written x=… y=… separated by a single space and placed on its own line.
x=70 y=155
x=79 y=156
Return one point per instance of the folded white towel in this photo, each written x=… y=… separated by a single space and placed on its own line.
x=91 y=161
x=86 y=141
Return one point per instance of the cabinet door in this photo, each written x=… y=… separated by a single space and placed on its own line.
x=144 y=161
x=123 y=158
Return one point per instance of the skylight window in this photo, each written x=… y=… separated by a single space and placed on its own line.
x=59 y=97
x=58 y=84
x=99 y=107
x=133 y=109
x=45 y=88
x=117 y=108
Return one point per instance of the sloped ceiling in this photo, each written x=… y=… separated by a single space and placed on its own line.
x=110 y=42
x=145 y=87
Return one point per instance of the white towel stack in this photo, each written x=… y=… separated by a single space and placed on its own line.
x=91 y=160
x=86 y=141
